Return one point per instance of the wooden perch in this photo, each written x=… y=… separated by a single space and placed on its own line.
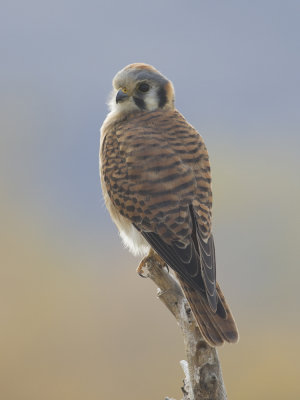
x=203 y=375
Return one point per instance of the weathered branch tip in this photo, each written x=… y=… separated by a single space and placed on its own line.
x=203 y=376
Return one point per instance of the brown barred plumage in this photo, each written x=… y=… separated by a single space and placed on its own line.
x=156 y=181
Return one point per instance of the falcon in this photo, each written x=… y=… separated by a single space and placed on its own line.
x=156 y=182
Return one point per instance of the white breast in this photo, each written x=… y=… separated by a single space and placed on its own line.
x=134 y=241
x=131 y=237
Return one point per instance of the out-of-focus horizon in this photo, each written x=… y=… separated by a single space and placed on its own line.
x=76 y=321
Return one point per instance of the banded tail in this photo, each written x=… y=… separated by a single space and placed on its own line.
x=216 y=327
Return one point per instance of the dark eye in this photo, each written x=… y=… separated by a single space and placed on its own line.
x=143 y=87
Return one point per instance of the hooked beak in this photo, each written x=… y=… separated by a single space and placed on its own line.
x=121 y=96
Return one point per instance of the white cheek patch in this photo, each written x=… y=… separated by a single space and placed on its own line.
x=151 y=100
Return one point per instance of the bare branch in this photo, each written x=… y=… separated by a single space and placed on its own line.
x=203 y=375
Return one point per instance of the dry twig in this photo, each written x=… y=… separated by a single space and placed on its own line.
x=203 y=375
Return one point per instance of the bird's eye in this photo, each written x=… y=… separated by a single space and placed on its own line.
x=144 y=87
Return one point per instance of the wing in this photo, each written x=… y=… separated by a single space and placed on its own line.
x=156 y=169
x=194 y=262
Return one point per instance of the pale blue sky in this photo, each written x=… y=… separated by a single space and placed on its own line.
x=235 y=67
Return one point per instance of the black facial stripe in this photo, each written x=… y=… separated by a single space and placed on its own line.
x=140 y=103
x=162 y=95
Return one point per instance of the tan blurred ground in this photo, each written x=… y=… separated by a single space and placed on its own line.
x=78 y=324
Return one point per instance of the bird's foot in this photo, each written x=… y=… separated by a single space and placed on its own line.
x=142 y=264
x=148 y=259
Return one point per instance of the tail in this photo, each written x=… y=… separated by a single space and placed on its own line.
x=216 y=328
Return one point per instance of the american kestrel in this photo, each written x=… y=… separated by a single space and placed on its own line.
x=156 y=182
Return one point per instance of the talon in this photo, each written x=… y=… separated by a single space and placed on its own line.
x=148 y=258
x=142 y=276
x=139 y=269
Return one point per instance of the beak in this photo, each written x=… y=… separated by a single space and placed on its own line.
x=121 y=96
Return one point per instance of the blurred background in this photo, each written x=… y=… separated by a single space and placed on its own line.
x=76 y=321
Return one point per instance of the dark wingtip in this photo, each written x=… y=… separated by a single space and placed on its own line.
x=220 y=310
x=232 y=336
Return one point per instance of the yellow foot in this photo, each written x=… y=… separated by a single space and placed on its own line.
x=152 y=255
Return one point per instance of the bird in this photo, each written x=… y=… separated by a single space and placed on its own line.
x=156 y=183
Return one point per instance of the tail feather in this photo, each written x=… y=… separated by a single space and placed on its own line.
x=216 y=327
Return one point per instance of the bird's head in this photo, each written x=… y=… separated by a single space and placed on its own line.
x=141 y=87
